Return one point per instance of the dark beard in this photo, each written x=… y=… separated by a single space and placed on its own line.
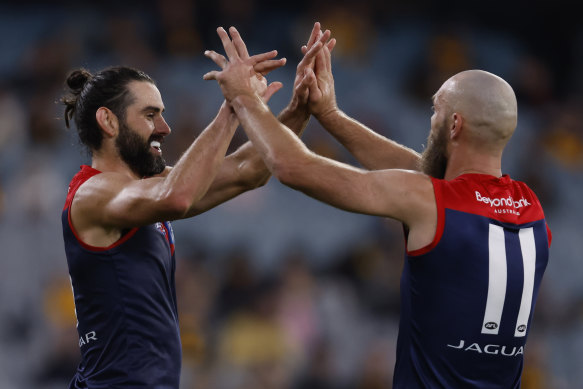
x=434 y=157
x=136 y=153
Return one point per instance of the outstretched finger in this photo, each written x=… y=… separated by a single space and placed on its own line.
x=270 y=90
x=309 y=57
x=217 y=58
x=239 y=44
x=324 y=37
x=265 y=67
x=314 y=34
x=310 y=53
x=212 y=75
x=320 y=61
x=313 y=50
x=331 y=44
x=227 y=44
x=327 y=57
x=257 y=58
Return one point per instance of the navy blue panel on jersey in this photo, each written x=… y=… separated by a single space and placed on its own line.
x=468 y=302
x=126 y=309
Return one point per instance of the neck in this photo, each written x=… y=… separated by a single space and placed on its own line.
x=111 y=162
x=464 y=161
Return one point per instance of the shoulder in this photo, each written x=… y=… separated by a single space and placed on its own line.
x=409 y=194
x=409 y=184
x=416 y=183
x=100 y=187
x=409 y=178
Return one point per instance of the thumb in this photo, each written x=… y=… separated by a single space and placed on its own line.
x=270 y=90
x=212 y=75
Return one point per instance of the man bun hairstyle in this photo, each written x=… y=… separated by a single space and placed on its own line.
x=75 y=83
x=87 y=92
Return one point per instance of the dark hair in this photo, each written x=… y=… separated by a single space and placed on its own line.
x=88 y=92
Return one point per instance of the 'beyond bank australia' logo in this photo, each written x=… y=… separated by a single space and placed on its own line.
x=502 y=201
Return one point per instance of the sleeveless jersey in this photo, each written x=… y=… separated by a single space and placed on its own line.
x=125 y=302
x=467 y=299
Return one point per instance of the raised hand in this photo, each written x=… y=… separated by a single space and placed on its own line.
x=301 y=84
x=259 y=64
x=317 y=85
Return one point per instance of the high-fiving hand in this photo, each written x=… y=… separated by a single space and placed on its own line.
x=305 y=68
x=238 y=69
x=259 y=64
x=316 y=87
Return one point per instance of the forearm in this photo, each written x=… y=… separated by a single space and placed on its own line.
x=246 y=162
x=194 y=172
x=273 y=141
x=371 y=150
x=294 y=165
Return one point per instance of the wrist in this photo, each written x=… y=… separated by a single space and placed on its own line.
x=245 y=100
x=296 y=108
x=295 y=117
x=328 y=115
x=227 y=113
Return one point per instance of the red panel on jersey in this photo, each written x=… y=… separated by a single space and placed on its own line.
x=81 y=177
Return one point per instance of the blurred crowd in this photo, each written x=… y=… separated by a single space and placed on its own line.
x=277 y=290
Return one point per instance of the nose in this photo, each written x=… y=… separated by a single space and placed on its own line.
x=162 y=127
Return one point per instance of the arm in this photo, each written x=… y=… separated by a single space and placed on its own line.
x=403 y=195
x=111 y=201
x=244 y=169
x=371 y=150
x=400 y=194
x=388 y=193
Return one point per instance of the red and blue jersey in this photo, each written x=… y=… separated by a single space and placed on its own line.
x=467 y=299
x=125 y=301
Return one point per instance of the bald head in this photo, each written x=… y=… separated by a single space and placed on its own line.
x=486 y=103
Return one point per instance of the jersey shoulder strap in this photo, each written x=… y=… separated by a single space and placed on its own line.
x=83 y=175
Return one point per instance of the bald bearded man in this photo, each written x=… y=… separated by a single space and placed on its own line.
x=477 y=242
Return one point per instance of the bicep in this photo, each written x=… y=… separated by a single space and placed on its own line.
x=116 y=202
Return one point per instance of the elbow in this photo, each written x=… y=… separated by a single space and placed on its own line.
x=252 y=174
x=284 y=170
x=295 y=170
x=176 y=206
x=256 y=173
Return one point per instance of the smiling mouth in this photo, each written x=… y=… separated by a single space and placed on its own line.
x=156 y=146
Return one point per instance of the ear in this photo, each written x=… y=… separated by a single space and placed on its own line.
x=456 y=126
x=107 y=121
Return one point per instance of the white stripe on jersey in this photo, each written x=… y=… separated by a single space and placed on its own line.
x=496 y=281
x=528 y=249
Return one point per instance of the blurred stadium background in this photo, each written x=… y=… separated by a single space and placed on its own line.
x=277 y=290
